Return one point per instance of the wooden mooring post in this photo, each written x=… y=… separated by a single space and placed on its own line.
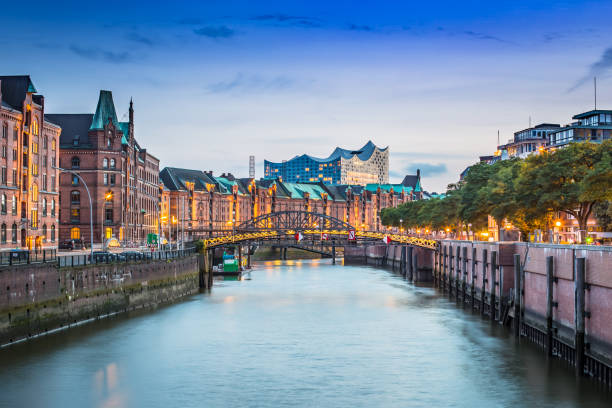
x=473 y=279
x=463 y=274
x=579 y=315
x=549 y=304
x=483 y=292
x=333 y=253
x=492 y=296
x=410 y=264
x=517 y=295
x=444 y=266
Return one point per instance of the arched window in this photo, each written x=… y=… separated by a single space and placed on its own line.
x=53 y=207
x=35 y=127
x=105 y=163
x=53 y=144
x=75 y=180
x=76 y=163
x=14 y=206
x=109 y=142
x=75 y=197
x=75 y=233
x=4 y=130
x=3 y=233
x=44 y=207
x=112 y=163
x=44 y=233
x=3 y=204
x=34 y=193
x=14 y=233
x=52 y=233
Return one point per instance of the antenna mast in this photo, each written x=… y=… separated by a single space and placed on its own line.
x=595 y=90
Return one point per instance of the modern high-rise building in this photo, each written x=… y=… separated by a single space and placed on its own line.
x=367 y=165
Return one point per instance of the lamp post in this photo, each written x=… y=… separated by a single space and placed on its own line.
x=90 y=205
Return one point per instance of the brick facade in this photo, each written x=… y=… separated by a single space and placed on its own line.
x=29 y=146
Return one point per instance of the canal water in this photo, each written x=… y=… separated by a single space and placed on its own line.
x=298 y=333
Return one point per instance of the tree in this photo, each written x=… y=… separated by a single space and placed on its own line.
x=565 y=180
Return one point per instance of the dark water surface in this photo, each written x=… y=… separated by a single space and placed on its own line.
x=297 y=334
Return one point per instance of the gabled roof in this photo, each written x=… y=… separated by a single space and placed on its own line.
x=14 y=89
x=104 y=111
x=175 y=178
x=125 y=128
x=73 y=125
x=397 y=188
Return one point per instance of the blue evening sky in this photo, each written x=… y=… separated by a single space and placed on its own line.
x=214 y=82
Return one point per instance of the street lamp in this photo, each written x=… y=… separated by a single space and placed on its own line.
x=401 y=226
x=90 y=205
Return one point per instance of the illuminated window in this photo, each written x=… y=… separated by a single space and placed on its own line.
x=34 y=219
x=35 y=147
x=75 y=214
x=108 y=233
x=75 y=233
x=34 y=193
x=53 y=144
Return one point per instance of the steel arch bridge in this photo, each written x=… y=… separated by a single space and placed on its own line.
x=279 y=228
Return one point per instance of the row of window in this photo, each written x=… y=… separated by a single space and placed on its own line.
x=35 y=132
x=75 y=163
x=44 y=205
x=3 y=233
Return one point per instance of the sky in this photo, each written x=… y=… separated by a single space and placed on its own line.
x=216 y=81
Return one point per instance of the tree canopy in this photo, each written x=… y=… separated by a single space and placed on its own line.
x=576 y=180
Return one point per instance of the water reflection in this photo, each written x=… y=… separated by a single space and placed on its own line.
x=300 y=333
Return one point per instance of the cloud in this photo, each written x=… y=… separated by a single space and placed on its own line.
x=360 y=27
x=286 y=19
x=141 y=39
x=433 y=155
x=251 y=83
x=215 y=32
x=599 y=67
x=483 y=36
x=427 y=169
x=98 y=54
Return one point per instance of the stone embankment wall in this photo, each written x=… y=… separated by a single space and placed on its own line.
x=41 y=298
x=413 y=262
x=543 y=308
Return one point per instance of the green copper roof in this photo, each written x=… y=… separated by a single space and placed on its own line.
x=297 y=190
x=225 y=185
x=125 y=128
x=105 y=110
x=397 y=188
x=31 y=87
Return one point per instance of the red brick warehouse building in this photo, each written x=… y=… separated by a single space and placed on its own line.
x=122 y=177
x=28 y=181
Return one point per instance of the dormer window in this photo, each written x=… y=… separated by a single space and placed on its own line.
x=76 y=140
x=109 y=142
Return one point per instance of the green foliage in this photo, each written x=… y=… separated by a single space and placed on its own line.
x=576 y=180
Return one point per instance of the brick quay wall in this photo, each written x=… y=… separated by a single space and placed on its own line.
x=41 y=298
x=544 y=306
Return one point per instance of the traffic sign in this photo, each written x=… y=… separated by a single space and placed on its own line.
x=351 y=235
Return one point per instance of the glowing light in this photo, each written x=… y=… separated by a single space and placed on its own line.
x=558 y=223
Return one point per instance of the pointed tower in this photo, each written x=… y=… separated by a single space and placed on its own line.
x=131 y=122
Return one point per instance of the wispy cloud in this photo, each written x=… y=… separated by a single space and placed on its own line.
x=286 y=19
x=599 y=67
x=98 y=54
x=141 y=39
x=251 y=83
x=483 y=36
x=215 y=32
x=427 y=169
x=360 y=27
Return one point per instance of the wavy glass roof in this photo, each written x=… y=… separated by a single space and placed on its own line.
x=364 y=153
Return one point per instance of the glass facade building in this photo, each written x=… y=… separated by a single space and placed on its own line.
x=370 y=164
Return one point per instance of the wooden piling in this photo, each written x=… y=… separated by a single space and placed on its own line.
x=484 y=282
x=549 y=304
x=473 y=278
x=463 y=274
x=443 y=269
x=579 y=315
x=411 y=264
x=517 y=295
x=493 y=297
x=333 y=253
x=457 y=272
x=415 y=267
